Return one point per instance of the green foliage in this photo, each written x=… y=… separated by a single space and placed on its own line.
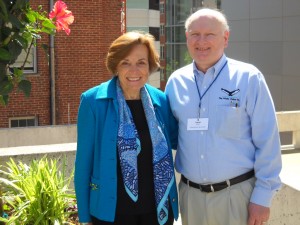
x=187 y=58
x=173 y=65
x=20 y=28
x=38 y=194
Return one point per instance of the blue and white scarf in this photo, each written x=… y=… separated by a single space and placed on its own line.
x=129 y=146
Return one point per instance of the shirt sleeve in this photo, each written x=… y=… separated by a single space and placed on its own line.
x=265 y=136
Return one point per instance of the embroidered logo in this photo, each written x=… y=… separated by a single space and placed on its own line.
x=230 y=93
x=232 y=98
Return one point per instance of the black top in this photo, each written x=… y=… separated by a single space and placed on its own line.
x=146 y=197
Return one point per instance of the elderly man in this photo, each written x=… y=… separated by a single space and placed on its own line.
x=228 y=146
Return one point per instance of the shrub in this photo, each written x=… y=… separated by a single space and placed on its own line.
x=38 y=194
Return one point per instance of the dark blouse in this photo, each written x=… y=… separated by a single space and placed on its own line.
x=146 y=197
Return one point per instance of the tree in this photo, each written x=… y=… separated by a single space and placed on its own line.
x=21 y=27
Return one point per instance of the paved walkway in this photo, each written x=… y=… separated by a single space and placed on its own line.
x=290 y=174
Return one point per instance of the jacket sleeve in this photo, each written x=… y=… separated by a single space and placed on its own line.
x=173 y=128
x=84 y=158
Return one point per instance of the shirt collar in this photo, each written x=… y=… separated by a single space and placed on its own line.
x=213 y=70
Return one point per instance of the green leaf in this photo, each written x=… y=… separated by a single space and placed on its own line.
x=5 y=55
x=25 y=86
x=27 y=35
x=20 y=4
x=48 y=23
x=2 y=71
x=3 y=219
x=15 y=50
x=4 y=10
x=22 y=41
x=6 y=31
x=18 y=74
x=6 y=87
x=3 y=99
x=15 y=21
x=31 y=16
x=48 y=30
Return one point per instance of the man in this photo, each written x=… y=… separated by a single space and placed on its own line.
x=228 y=146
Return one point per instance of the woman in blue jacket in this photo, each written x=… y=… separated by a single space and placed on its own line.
x=124 y=171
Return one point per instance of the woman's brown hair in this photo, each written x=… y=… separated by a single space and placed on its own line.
x=122 y=46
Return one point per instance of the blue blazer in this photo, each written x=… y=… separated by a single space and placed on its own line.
x=96 y=157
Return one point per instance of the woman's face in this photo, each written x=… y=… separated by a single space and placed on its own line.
x=133 y=71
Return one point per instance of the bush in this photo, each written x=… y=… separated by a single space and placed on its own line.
x=38 y=194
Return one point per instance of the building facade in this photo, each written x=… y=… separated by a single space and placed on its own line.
x=264 y=33
x=268 y=37
x=143 y=15
x=79 y=64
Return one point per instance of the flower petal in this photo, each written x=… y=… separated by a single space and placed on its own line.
x=61 y=16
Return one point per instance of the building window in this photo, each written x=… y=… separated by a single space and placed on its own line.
x=155 y=32
x=154 y=4
x=31 y=64
x=177 y=11
x=23 y=121
x=162 y=7
x=162 y=30
x=162 y=52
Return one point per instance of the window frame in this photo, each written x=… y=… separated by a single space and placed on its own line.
x=34 y=118
x=162 y=8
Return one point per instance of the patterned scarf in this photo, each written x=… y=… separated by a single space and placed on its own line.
x=129 y=146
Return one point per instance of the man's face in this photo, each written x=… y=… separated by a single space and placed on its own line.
x=206 y=41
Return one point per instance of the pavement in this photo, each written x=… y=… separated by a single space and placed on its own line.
x=290 y=173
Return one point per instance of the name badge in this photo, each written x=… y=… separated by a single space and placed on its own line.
x=197 y=124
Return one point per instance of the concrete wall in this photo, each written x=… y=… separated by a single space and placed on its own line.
x=41 y=135
x=267 y=34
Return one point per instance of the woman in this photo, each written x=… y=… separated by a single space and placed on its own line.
x=124 y=168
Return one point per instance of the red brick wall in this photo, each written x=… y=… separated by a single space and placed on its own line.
x=79 y=63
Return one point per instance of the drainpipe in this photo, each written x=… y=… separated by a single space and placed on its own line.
x=52 y=76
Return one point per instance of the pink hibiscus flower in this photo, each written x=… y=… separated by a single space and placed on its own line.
x=61 y=16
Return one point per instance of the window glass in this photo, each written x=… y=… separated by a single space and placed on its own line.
x=23 y=122
x=30 y=122
x=162 y=8
x=14 y=123
x=30 y=65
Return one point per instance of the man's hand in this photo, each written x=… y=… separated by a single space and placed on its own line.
x=258 y=214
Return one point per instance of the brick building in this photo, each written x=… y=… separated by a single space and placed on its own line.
x=79 y=64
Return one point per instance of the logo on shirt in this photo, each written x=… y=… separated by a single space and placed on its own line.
x=230 y=98
x=230 y=93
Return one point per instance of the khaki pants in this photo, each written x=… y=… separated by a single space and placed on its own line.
x=226 y=207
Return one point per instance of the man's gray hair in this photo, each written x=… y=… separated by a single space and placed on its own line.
x=207 y=12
